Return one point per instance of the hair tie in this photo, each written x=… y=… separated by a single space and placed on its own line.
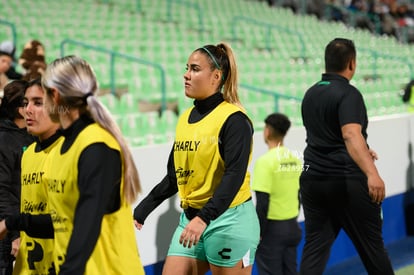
x=85 y=98
x=88 y=95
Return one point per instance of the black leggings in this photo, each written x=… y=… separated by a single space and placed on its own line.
x=331 y=205
x=276 y=253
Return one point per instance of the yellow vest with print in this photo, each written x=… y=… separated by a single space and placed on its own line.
x=35 y=255
x=115 y=251
x=198 y=164
x=411 y=101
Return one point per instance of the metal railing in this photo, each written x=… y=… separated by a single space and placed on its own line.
x=276 y=96
x=236 y=20
x=113 y=57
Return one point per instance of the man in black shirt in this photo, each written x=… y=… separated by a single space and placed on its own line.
x=342 y=188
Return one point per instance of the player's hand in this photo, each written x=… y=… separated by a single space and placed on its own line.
x=373 y=154
x=192 y=232
x=3 y=229
x=15 y=247
x=138 y=225
x=376 y=188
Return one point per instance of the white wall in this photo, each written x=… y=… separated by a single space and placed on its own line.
x=389 y=136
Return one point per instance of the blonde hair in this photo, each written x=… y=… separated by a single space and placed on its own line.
x=76 y=83
x=221 y=57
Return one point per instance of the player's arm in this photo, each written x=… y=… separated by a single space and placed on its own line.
x=359 y=152
x=262 y=208
x=235 y=147
x=36 y=226
x=162 y=191
x=261 y=184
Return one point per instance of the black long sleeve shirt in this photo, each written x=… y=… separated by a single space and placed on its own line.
x=262 y=208
x=13 y=141
x=235 y=142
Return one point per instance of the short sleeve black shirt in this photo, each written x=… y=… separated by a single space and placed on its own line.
x=327 y=106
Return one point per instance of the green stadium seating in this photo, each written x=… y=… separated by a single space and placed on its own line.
x=150 y=34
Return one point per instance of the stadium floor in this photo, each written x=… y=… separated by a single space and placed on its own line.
x=402 y=257
x=401 y=253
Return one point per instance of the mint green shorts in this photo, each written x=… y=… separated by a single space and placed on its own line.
x=232 y=237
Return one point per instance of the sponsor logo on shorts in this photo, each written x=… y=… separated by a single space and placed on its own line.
x=224 y=253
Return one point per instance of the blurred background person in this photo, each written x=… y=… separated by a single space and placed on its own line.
x=9 y=48
x=5 y=64
x=14 y=139
x=276 y=184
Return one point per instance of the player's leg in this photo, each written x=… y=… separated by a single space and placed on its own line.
x=269 y=254
x=183 y=265
x=318 y=201
x=363 y=224
x=238 y=269
x=231 y=240
x=292 y=235
x=184 y=260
